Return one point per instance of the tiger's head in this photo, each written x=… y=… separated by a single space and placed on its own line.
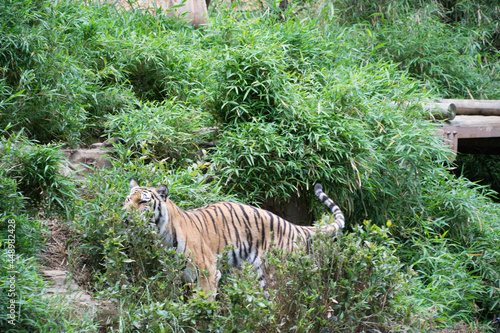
x=145 y=199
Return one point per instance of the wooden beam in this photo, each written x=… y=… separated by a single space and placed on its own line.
x=475 y=107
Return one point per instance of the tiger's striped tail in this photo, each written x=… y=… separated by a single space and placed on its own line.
x=339 y=217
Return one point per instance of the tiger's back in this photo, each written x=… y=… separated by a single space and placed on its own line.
x=203 y=233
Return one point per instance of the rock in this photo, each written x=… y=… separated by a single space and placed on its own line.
x=106 y=144
x=61 y=285
x=85 y=160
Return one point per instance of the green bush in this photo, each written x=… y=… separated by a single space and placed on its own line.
x=451 y=46
x=346 y=284
x=436 y=54
x=162 y=132
x=251 y=83
x=48 y=84
x=36 y=169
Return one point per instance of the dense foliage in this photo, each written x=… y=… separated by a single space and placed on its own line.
x=256 y=106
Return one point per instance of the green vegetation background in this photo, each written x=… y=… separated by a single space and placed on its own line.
x=327 y=91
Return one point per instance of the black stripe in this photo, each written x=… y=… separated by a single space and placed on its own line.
x=213 y=220
x=189 y=218
x=232 y=212
x=247 y=252
x=263 y=233
x=246 y=220
x=278 y=232
x=201 y=221
x=174 y=236
x=225 y=224
x=282 y=231
x=237 y=234
x=263 y=227
x=235 y=259
x=271 y=226
x=224 y=228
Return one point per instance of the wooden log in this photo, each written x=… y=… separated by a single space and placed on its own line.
x=475 y=107
x=441 y=111
x=192 y=11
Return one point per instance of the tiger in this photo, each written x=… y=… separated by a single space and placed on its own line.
x=244 y=232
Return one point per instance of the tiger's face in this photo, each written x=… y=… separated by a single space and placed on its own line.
x=140 y=199
x=144 y=199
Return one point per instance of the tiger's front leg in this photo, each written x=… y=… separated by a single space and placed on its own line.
x=207 y=281
x=208 y=276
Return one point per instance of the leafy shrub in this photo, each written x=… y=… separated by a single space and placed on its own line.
x=36 y=171
x=157 y=131
x=457 y=58
x=450 y=279
x=250 y=84
x=347 y=284
x=434 y=53
x=12 y=200
x=320 y=130
x=40 y=75
x=159 y=71
x=50 y=87
x=14 y=220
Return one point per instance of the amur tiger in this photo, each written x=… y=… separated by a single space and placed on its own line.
x=202 y=234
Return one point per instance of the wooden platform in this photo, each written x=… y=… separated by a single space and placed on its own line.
x=472 y=133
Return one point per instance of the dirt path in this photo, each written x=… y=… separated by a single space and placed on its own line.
x=67 y=282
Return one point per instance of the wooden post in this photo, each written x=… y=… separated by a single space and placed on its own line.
x=442 y=111
x=475 y=107
x=193 y=11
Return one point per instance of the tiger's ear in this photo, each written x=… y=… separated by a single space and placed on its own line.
x=162 y=190
x=133 y=183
